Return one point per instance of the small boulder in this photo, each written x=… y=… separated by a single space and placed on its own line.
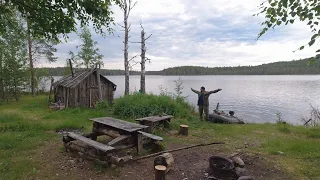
x=241 y=171
x=233 y=155
x=245 y=178
x=237 y=161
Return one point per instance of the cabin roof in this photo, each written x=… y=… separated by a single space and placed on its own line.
x=71 y=82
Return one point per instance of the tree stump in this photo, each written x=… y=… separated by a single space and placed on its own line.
x=184 y=130
x=160 y=172
x=165 y=159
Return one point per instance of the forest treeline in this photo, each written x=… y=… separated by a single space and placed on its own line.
x=295 y=67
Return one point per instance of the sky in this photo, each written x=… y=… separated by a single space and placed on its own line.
x=198 y=33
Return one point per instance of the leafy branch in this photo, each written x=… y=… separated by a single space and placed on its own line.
x=284 y=12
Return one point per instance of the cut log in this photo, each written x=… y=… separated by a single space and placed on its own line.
x=93 y=155
x=160 y=172
x=165 y=159
x=184 y=130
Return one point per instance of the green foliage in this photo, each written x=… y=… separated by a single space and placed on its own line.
x=88 y=55
x=141 y=105
x=284 y=12
x=102 y=105
x=51 y=18
x=43 y=49
x=178 y=90
x=13 y=55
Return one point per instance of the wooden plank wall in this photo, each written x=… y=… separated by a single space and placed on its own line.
x=80 y=95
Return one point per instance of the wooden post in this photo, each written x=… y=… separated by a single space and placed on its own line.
x=160 y=172
x=71 y=67
x=165 y=159
x=139 y=143
x=99 y=84
x=184 y=130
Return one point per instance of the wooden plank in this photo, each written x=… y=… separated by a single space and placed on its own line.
x=118 y=140
x=119 y=124
x=90 y=142
x=154 y=137
x=139 y=143
x=99 y=84
x=155 y=118
x=67 y=100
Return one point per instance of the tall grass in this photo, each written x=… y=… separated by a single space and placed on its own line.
x=140 y=105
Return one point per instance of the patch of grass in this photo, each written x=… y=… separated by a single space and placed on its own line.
x=142 y=105
x=28 y=124
x=304 y=152
x=284 y=128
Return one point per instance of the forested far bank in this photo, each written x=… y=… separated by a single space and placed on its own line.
x=295 y=67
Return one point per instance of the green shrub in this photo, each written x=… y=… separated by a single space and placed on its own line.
x=141 y=105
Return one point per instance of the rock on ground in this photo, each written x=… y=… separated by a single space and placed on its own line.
x=237 y=161
x=241 y=172
x=245 y=178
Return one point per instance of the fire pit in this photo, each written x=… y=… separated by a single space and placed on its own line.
x=220 y=168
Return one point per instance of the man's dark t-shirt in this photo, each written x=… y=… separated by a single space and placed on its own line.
x=201 y=99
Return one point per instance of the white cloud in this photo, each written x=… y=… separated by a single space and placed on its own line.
x=203 y=32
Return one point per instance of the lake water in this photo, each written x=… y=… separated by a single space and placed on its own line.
x=253 y=98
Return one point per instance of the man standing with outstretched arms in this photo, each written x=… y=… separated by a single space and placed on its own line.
x=203 y=101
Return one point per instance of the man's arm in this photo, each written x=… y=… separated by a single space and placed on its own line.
x=215 y=91
x=195 y=91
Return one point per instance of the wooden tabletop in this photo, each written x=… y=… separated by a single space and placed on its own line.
x=119 y=124
x=155 y=118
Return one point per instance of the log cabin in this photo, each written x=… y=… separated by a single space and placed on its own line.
x=81 y=89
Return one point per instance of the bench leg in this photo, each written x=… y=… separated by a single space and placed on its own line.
x=139 y=143
x=166 y=123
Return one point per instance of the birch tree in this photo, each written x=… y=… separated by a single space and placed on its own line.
x=13 y=58
x=88 y=54
x=126 y=6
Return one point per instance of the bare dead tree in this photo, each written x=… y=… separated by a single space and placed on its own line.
x=126 y=6
x=144 y=59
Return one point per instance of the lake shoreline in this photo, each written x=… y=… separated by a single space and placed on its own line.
x=253 y=98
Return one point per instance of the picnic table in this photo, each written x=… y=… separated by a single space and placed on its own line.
x=154 y=121
x=123 y=135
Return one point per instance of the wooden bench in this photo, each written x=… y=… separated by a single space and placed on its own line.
x=153 y=121
x=95 y=144
x=151 y=136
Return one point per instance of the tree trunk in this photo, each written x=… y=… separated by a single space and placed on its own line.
x=143 y=64
x=1 y=78
x=16 y=95
x=32 y=77
x=126 y=47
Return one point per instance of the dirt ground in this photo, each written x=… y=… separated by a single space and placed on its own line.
x=190 y=164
